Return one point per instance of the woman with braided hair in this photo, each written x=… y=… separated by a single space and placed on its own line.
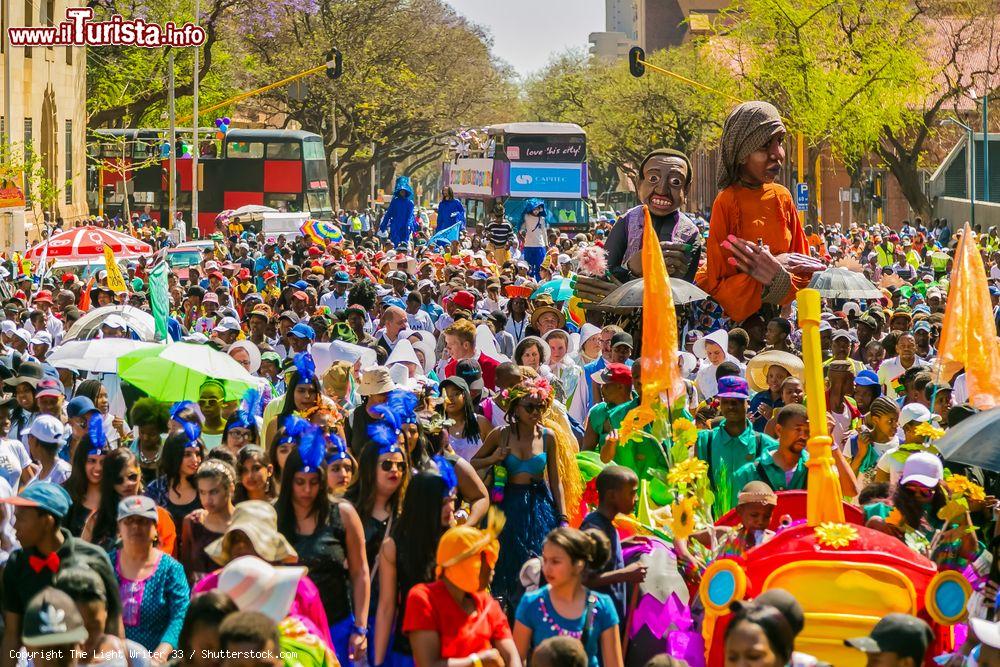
x=757 y=250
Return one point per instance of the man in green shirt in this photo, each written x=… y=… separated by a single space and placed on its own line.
x=733 y=443
x=615 y=382
x=785 y=467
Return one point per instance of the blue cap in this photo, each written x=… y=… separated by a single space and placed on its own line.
x=341 y=277
x=922 y=309
x=994 y=290
x=732 y=386
x=79 y=406
x=921 y=326
x=300 y=284
x=303 y=330
x=480 y=275
x=45 y=496
x=866 y=378
x=394 y=301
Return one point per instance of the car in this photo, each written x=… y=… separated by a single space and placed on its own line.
x=187 y=254
x=83 y=269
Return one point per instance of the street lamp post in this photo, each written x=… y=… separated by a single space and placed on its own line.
x=970 y=157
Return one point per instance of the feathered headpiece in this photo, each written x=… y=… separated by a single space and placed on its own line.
x=305 y=366
x=192 y=429
x=336 y=449
x=593 y=261
x=246 y=416
x=294 y=427
x=397 y=410
x=447 y=472
x=95 y=432
x=312 y=448
x=537 y=388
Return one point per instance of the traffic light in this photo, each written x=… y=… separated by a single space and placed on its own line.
x=635 y=54
x=334 y=63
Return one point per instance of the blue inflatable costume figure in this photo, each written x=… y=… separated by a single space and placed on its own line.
x=536 y=240
x=399 y=218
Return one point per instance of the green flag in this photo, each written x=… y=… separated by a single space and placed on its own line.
x=159 y=298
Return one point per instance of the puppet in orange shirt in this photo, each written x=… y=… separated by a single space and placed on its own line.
x=757 y=251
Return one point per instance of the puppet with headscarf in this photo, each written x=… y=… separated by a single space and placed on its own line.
x=664 y=180
x=531 y=225
x=399 y=218
x=757 y=252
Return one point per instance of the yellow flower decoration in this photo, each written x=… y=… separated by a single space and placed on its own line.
x=929 y=431
x=687 y=472
x=962 y=485
x=835 y=535
x=682 y=517
x=895 y=518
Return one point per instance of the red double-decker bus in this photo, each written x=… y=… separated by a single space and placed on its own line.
x=283 y=169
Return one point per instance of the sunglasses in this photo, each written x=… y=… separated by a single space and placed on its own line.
x=532 y=407
x=209 y=401
x=133 y=477
x=389 y=466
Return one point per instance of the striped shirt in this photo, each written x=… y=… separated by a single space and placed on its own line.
x=499 y=233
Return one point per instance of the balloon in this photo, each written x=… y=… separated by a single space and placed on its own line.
x=220 y=135
x=185 y=149
x=165 y=150
x=224 y=128
x=218 y=122
x=226 y=120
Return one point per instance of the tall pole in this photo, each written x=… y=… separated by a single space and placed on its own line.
x=371 y=179
x=172 y=171
x=8 y=93
x=986 y=149
x=196 y=150
x=335 y=185
x=971 y=156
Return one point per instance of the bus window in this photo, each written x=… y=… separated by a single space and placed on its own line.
x=284 y=150
x=313 y=150
x=245 y=149
x=318 y=201
x=285 y=203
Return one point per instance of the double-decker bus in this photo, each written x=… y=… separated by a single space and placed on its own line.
x=283 y=169
x=521 y=161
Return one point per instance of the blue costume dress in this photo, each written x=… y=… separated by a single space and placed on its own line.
x=535 y=235
x=531 y=515
x=450 y=212
x=399 y=218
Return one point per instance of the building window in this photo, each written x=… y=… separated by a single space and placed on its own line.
x=69 y=55
x=69 y=162
x=28 y=9
x=29 y=152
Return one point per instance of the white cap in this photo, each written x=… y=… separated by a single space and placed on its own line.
x=41 y=338
x=227 y=324
x=114 y=321
x=923 y=468
x=7 y=327
x=852 y=307
x=425 y=283
x=403 y=353
x=22 y=334
x=913 y=412
x=211 y=266
x=46 y=428
x=564 y=259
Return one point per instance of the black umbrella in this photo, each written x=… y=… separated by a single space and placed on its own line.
x=842 y=283
x=629 y=295
x=975 y=441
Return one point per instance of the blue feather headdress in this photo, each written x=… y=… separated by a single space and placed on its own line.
x=336 y=449
x=305 y=366
x=447 y=472
x=95 y=433
x=294 y=426
x=246 y=416
x=312 y=448
x=191 y=429
x=397 y=410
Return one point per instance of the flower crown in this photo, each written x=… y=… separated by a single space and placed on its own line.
x=537 y=388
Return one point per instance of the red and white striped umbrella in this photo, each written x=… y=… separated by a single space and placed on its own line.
x=88 y=242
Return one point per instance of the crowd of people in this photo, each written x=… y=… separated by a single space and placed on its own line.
x=403 y=484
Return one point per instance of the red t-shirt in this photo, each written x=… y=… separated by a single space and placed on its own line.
x=489 y=366
x=431 y=607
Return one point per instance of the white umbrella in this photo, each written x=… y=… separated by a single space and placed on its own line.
x=139 y=321
x=98 y=355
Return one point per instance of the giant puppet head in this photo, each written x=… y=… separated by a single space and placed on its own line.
x=402 y=187
x=665 y=178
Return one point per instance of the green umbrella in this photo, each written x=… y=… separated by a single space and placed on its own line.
x=176 y=372
x=560 y=289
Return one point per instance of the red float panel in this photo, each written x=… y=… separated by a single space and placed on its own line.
x=282 y=176
x=234 y=200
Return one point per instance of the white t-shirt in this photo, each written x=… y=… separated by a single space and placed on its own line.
x=889 y=463
x=13 y=457
x=534 y=232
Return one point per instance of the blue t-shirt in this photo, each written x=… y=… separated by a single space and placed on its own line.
x=762 y=398
x=536 y=612
x=617 y=592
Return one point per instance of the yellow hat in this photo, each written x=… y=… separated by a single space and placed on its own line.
x=459 y=548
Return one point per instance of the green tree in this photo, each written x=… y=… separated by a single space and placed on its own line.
x=840 y=71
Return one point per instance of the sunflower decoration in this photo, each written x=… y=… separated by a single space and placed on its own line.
x=687 y=473
x=835 y=535
x=685 y=432
x=960 y=485
x=683 y=517
x=929 y=431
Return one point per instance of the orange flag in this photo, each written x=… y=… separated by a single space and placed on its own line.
x=968 y=334
x=84 y=304
x=661 y=376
